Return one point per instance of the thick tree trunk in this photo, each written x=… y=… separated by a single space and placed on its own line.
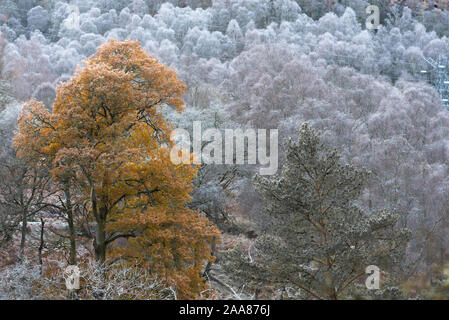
x=100 y=238
x=100 y=243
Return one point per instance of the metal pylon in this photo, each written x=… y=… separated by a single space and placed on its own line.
x=439 y=77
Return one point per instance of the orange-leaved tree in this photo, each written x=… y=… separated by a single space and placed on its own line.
x=106 y=131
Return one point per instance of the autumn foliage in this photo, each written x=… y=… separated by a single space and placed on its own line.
x=107 y=138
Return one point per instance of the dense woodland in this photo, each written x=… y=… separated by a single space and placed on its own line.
x=91 y=89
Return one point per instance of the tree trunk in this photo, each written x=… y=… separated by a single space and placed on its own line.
x=23 y=231
x=100 y=237
x=209 y=264
x=41 y=244
x=69 y=208
x=100 y=243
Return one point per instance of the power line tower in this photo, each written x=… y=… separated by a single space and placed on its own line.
x=439 y=77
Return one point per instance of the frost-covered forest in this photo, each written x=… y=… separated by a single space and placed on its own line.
x=363 y=127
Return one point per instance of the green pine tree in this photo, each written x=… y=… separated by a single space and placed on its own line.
x=319 y=241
